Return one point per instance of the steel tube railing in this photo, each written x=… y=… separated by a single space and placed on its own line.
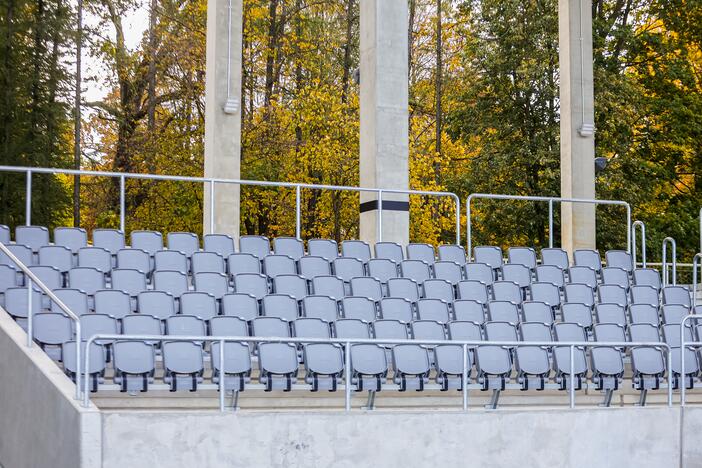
x=28 y=200
x=695 y=264
x=664 y=256
x=33 y=279
x=550 y=201
x=642 y=227
x=346 y=344
x=255 y=183
x=700 y=229
x=683 y=344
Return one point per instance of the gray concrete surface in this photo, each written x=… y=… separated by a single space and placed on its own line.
x=41 y=426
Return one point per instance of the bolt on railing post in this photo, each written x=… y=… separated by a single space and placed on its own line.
x=464 y=378
x=30 y=315
x=572 y=376
x=122 y=204
x=212 y=206
x=28 y=200
x=221 y=375
x=380 y=215
x=298 y=217
x=550 y=223
x=347 y=377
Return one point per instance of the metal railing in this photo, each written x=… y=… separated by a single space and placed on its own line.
x=550 y=201
x=31 y=280
x=683 y=344
x=642 y=227
x=695 y=264
x=664 y=257
x=346 y=344
x=211 y=183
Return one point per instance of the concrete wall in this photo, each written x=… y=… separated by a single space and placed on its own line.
x=40 y=423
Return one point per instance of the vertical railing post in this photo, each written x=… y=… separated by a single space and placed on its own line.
x=212 y=206
x=28 y=200
x=464 y=378
x=298 y=217
x=469 y=230
x=122 y=205
x=550 y=223
x=628 y=227
x=79 y=361
x=221 y=375
x=671 y=241
x=642 y=227
x=30 y=315
x=670 y=376
x=695 y=265
x=380 y=215
x=86 y=389
x=681 y=378
x=458 y=220
x=347 y=376
x=572 y=376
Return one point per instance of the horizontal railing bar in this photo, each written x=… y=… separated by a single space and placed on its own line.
x=541 y=198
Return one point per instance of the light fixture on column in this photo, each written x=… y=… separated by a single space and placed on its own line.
x=231 y=105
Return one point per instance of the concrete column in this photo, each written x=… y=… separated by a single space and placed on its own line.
x=384 y=117
x=577 y=123
x=222 y=115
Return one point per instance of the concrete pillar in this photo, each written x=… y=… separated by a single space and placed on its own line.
x=384 y=144
x=577 y=123
x=223 y=115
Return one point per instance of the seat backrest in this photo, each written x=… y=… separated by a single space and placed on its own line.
x=71 y=237
x=500 y=331
x=610 y=313
x=292 y=285
x=614 y=275
x=277 y=358
x=112 y=302
x=382 y=269
x=535 y=311
x=479 y=272
x=314 y=266
x=347 y=268
x=403 y=287
x=644 y=333
x=469 y=310
x=325 y=248
x=199 y=304
x=351 y=329
x=410 y=359
x=16 y=302
x=183 y=357
x=328 y=286
x=644 y=313
x=452 y=253
x=588 y=258
x=582 y=275
x=244 y=306
x=98 y=357
x=390 y=330
x=8 y=278
x=130 y=281
x=581 y=293
x=186 y=242
x=647 y=277
x=367 y=286
x=75 y=299
x=473 y=290
x=185 y=325
x=134 y=357
x=23 y=254
x=517 y=273
x=416 y=270
x=270 y=326
x=613 y=293
x=221 y=244
x=389 y=250
x=438 y=289
x=111 y=240
x=243 y=262
x=94 y=324
x=671 y=334
x=550 y=274
x=141 y=324
x=280 y=305
x=356 y=249
x=321 y=307
x=644 y=295
x=493 y=360
x=216 y=284
x=507 y=291
x=95 y=257
x=396 y=308
x=33 y=237
x=555 y=257
x=674 y=313
x=448 y=271
x=578 y=313
x=324 y=358
x=609 y=332
x=275 y=265
x=4 y=234
x=258 y=246
x=535 y=331
x=173 y=282
x=156 y=303
x=525 y=256
x=464 y=331
x=311 y=328
x=170 y=260
x=148 y=241
x=619 y=259
x=368 y=359
x=134 y=259
x=503 y=311
x=251 y=283
x=228 y=326
x=358 y=307
x=677 y=295
x=569 y=331
x=428 y=330
x=488 y=254
x=422 y=252
x=433 y=309
x=290 y=246
x=57 y=256
x=48 y=275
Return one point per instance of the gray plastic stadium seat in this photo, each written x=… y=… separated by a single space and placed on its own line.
x=325 y=248
x=489 y=255
x=243 y=263
x=588 y=258
x=33 y=237
x=88 y=280
x=412 y=367
x=561 y=355
x=321 y=307
x=351 y=329
x=16 y=302
x=71 y=237
x=275 y=265
x=609 y=333
x=674 y=313
x=580 y=293
x=429 y=330
x=396 y=308
x=324 y=364
x=112 y=302
x=23 y=254
x=647 y=277
x=358 y=307
x=644 y=332
x=347 y=268
x=433 y=309
x=186 y=242
x=237 y=365
x=500 y=331
x=460 y=330
x=534 y=331
x=160 y=304
x=613 y=275
x=51 y=331
x=258 y=246
x=130 y=281
x=111 y=240
x=95 y=257
x=416 y=270
x=207 y=262
x=494 y=367
x=185 y=325
x=556 y=257
x=173 y=282
x=290 y=246
x=403 y=287
x=547 y=293
x=390 y=330
x=619 y=259
x=473 y=290
x=607 y=361
x=220 y=244
x=534 y=311
x=390 y=251
x=199 y=304
x=452 y=253
x=507 y=291
x=170 y=260
x=677 y=295
x=4 y=234
x=369 y=367
x=328 y=286
x=75 y=299
x=448 y=271
x=311 y=328
x=251 y=283
x=98 y=362
x=148 y=241
x=643 y=313
x=244 y=306
x=517 y=273
x=280 y=305
x=610 y=313
x=479 y=272
x=448 y=360
x=577 y=312
x=422 y=252
x=582 y=275
x=134 y=259
x=438 y=289
x=356 y=249
x=367 y=286
x=228 y=326
x=311 y=267
x=216 y=284
x=98 y=324
x=612 y=293
x=270 y=326
x=278 y=366
x=183 y=365
x=644 y=295
x=382 y=269
x=48 y=275
x=648 y=368
x=57 y=256
x=533 y=367
x=134 y=363
x=503 y=311
x=550 y=274
x=8 y=278
x=292 y=285
x=469 y=310
x=525 y=256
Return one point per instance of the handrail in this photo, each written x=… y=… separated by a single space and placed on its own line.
x=642 y=226
x=33 y=279
x=348 y=342
x=700 y=229
x=550 y=201
x=684 y=343
x=211 y=181
x=664 y=257
x=695 y=264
